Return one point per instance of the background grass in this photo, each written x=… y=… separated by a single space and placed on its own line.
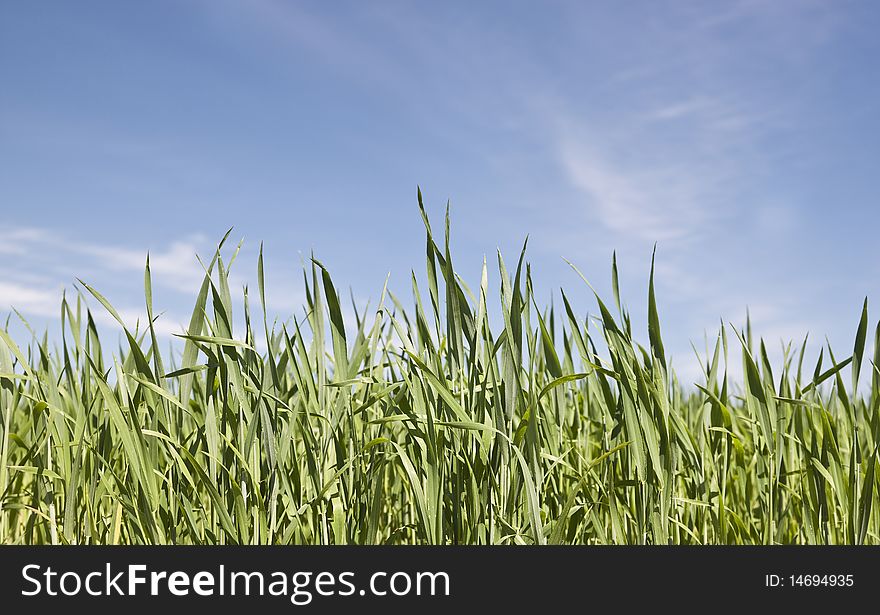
x=426 y=425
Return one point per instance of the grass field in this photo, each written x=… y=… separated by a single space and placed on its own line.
x=428 y=425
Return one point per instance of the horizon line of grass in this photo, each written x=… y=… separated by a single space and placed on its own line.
x=426 y=425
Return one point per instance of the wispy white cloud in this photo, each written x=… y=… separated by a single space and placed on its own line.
x=665 y=162
x=14 y=241
x=712 y=121
x=39 y=301
x=651 y=204
x=174 y=266
x=644 y=185
x=46 y=263
x=678 y=110
x=43 y=264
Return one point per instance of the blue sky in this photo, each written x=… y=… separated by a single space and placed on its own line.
x=741 y=136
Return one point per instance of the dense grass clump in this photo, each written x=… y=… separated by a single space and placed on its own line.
x=428 y=425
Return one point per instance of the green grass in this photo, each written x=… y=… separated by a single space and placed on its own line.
x=428 y=425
